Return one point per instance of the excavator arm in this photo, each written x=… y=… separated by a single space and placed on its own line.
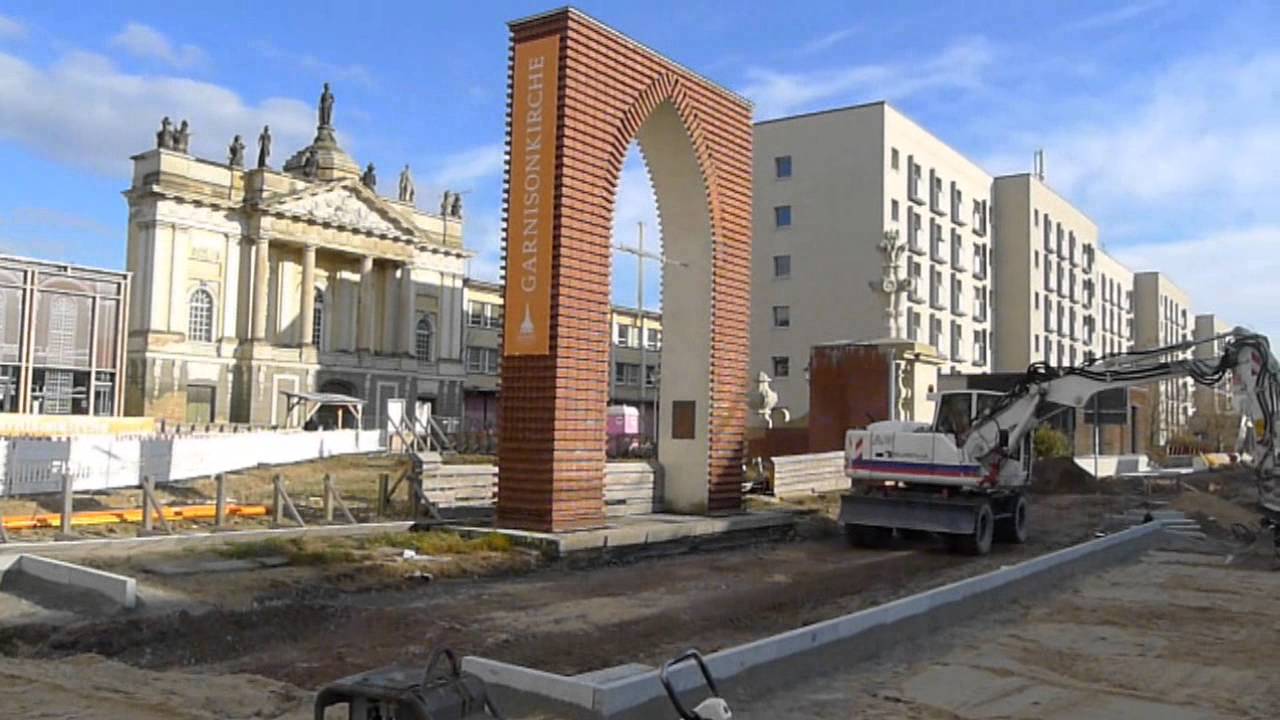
x=1246 y=359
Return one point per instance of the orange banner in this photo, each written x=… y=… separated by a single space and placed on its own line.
x=530 y=197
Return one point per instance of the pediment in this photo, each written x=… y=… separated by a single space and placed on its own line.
x=342 y=205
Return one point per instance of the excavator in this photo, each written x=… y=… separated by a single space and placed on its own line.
x=964 y=477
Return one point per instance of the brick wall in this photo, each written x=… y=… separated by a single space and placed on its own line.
x=551 y=451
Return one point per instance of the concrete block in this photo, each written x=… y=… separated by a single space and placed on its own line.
x=549 y=685
x=613 y=674
x=118 y=588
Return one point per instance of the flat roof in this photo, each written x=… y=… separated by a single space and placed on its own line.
x=65 y=267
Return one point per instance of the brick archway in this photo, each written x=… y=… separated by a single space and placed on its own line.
x=593 y=91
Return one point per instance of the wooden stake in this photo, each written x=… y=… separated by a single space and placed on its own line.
x=67 y=504
x=220 y=501
x=331 y=498
x=380 y=507
x=284 y=501
x=151 y=505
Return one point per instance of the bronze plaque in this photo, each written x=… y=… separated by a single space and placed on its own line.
x=683 y=414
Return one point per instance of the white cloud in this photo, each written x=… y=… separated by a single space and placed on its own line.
x=10 y=28
x=85 y=112
x=146 y=42
x=959 y=65
x=826 y=42
x=462 y=168
x=331 y=72
x=1230 y=273
x=1113 y=16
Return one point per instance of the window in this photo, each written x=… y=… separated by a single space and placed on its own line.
x=1037 y=300
x=1048 y=315
x=782 y=216
x=484 y=315
x=626 y=374
x=935 y=241
x=200 y=317
x=622 y=335
x=781 y=266
x=893 y=210
x=957 y=342
x=782 y=166
x=935 y=289
x=913 y=324
x=1037 y=216
x=650 y=376
x=653 y=338
x=482 y=360
x=980 y=262
x=782 y=316
x=914 y=270
x=1037 y=256
x=893 y=158
x=1037 y=343
x=979 y=347
x=980 y=304
x=913 y=232
x=935 y=192
x=781 y=366
x=317 y=319
x=980 y=217
x=422 y=337
x=957 y=250
x=935 y=332
x=957 y=296
x=913 y=181
x=957 y=202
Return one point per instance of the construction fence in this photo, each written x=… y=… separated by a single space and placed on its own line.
x=31 y=466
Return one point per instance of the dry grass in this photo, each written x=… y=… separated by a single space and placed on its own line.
x=344 y=550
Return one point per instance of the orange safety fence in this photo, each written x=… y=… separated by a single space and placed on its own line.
x=133 y=515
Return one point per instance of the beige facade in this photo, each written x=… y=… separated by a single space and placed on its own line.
x=1162 y=316
x=1047 y=277
x=1115 y=306
x=1216 y=399
x=253 y=283
x=828 y=187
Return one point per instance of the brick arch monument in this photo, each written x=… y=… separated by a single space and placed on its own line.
x=580 y=92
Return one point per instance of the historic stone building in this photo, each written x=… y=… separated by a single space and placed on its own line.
x=251 y=283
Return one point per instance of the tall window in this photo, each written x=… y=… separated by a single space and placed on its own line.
x=200 y=320
x=782 y=216
x=782 y=165
x=423 y=338
x=782 y=316
x=781 y=266
x=317 y=319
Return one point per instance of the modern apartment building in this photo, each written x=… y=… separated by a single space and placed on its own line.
x=1046 y=275
x=1115 y=307
x=1162 y=316
x=828 y=187
x=635 y=343
x=1216 y=399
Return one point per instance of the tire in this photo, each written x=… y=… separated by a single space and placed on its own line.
x=1013 y=529
x=979 y=543
x=867 y=536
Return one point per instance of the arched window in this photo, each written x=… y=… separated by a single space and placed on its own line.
x=423 y=338
x=200 y=320
x=317 y=319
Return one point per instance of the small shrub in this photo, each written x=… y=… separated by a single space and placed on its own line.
x=1050 y=443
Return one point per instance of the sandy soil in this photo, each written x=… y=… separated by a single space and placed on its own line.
x=1177 y=636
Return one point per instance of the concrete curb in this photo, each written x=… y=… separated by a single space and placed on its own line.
x=792 y=656
x=120 y=589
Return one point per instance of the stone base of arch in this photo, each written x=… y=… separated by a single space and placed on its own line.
x=696 y=140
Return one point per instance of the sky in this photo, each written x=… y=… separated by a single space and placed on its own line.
x=1160 y=120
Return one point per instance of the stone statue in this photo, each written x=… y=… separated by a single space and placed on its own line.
x=455 y=207
x=264 y=146
x=326 y=107
x=182 y=139
x=894 y=282
x=445 y=202
x=311 y=166
x=164 y=138
x=768 y=401
x=370 y=178
x=235 y=152
x=407 y=191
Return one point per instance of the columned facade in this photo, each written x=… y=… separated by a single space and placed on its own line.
x=317 y=284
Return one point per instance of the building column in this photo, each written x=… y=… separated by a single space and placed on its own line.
x=308 y=294
x=408 y=311
x=365 y=315
x=261 y=278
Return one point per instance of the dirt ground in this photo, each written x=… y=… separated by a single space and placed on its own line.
x=1177 y=636
x=305 y=626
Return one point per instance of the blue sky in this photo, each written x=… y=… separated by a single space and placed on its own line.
x=1161 y=120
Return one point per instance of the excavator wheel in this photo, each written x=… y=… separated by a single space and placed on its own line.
x=979 y=543
x=1013 y=529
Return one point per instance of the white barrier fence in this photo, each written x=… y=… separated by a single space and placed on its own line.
x=101 y=462
x=808 y=474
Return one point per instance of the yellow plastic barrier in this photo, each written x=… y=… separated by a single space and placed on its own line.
x=134 y=515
